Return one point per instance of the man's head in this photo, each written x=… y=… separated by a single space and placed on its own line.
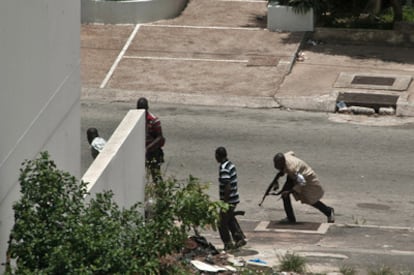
x=221 y=154
x=279 y=162
x=91 y=133
x=142 y=103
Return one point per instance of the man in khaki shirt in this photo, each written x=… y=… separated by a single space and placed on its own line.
x=303 y=183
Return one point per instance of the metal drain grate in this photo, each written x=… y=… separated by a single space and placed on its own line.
x=377 y=82
x=373 y=80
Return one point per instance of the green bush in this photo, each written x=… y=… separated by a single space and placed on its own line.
x=57 y=232
x=408 y=13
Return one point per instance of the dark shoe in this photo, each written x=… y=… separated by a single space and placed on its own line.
x=287 y=221
x=331 y=217
x=229 y=246
x=240 y=243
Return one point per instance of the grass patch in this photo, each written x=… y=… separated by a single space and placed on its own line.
x=293 y=263
x=383 y=270
x=347 y=270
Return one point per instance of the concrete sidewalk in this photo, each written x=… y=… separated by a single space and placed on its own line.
x=325 y=69
x=327 y=247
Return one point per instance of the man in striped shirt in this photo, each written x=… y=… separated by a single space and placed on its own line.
x=229 y=228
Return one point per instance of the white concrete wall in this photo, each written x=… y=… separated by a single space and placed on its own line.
x=120 y=167
x=39 y=92
x=130 y=12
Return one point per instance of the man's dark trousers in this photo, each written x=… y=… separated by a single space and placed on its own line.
x=229 y=225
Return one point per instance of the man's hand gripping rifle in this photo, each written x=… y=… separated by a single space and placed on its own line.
x=271 y=189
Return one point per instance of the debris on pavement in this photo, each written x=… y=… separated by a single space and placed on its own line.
x=341 y=107
x=204 y=257
x=258 y=264
x=362 y=110
x=239 y=262
x=386 y=111
x=257 y=260
x=300 y=57
x=207 y=267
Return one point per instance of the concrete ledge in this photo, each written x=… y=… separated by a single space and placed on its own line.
x=404 y=106
x=323 y=103
x=180 y=98
x=403 y=37
x=129 y=12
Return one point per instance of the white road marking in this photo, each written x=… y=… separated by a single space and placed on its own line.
x=118 y=59
x=204 y=27
x=188 y=59
x=263 y=226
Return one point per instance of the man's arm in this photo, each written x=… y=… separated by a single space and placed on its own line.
x=158 y=142
x=227 y=191
x=159 y=139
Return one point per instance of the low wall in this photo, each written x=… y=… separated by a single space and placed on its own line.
x=129 y=12
x=402 y=36
x=120 y=166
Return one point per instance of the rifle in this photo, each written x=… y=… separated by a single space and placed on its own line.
x=273 y=185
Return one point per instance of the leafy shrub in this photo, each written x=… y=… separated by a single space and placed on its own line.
x=408 y=13
x=56 y=232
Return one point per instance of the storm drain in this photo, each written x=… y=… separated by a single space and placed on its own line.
x=373 y=81
x=299 y=227
x=374 y=101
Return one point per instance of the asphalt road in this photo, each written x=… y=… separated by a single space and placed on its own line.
x=364 y=164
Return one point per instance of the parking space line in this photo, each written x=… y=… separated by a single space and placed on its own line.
x=188 y=59
x=118 y=59
x=205 y=27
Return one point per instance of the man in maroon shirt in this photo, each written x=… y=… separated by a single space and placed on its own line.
x=154 y=141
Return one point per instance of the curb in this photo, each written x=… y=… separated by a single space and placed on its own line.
x=179 y=98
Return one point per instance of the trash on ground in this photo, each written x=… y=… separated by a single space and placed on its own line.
x=362 y=110
x=300 y=56
x=257 y=260
x=386 y=111
x=258 y=264
x=342 y=108
x=207 y=267
x=239 y=262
